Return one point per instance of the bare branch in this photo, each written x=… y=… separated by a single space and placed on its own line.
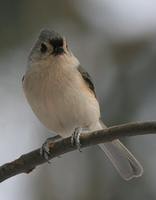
x=27 y=162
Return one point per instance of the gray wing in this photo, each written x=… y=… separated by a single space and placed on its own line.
x=87 y=78
x=23 y=78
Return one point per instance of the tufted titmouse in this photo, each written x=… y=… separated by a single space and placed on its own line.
x=62 y=95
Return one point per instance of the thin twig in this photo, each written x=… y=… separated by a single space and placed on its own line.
x=27 y=162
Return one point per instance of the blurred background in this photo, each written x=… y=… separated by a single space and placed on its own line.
x=115 y=41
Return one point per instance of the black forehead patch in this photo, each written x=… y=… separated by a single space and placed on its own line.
x=56 y=42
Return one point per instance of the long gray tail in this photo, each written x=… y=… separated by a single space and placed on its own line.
x=124 y=162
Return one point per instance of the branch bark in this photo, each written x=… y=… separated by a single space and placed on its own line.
x=27 y=162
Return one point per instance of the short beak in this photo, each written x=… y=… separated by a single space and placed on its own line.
x=58 y=51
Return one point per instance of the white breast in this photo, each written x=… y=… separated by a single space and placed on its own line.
x=60 y=99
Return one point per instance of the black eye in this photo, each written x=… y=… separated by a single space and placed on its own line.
x=43 y=48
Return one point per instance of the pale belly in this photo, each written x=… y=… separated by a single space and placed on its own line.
x=62 y=109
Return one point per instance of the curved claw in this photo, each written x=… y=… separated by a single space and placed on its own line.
x=45 y=149
x=75 y=138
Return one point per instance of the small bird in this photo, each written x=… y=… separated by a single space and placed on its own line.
x=62 y=95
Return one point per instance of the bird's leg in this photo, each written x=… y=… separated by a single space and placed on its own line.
x=44 y=151
x=75 y=138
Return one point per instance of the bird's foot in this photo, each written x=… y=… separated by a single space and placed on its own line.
x=75 y=138
x=45 y=149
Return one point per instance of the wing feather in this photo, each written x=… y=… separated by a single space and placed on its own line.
x=87 y=78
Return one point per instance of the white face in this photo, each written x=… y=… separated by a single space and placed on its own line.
x=49 y=45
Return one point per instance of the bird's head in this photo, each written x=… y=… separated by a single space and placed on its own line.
x=49 y=47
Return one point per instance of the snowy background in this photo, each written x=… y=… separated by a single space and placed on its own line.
x=115 y=41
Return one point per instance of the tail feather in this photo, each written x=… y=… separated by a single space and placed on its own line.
x=124 y=162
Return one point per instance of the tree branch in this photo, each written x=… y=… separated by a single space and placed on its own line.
x=27 y=162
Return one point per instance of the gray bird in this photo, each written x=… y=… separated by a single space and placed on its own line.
x=62 y=95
